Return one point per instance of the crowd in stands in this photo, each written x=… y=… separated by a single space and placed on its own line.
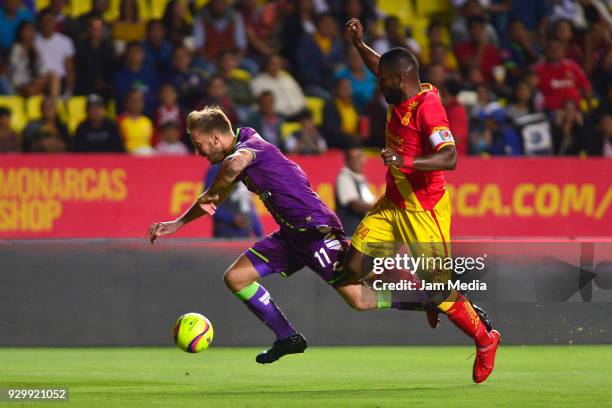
x=519 y=77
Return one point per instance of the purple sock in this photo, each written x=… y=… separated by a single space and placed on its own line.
x=259 y=301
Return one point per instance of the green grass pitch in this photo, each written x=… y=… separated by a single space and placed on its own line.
x=333 y=376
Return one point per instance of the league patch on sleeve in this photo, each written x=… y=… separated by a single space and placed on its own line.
x=441 y=136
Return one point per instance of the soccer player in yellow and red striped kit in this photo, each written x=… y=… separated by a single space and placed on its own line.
x=415 y=208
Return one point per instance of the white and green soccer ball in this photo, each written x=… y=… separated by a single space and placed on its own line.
x=192 y=332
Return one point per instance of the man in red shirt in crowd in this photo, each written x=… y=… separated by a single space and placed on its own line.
x=560 y=79
x=457 y=116
x=476 y=52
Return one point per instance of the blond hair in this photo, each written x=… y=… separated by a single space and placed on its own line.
x=210 y=118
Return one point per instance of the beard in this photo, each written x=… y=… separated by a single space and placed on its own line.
x=393 y=96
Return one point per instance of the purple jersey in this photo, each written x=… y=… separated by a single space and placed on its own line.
x=282 y=186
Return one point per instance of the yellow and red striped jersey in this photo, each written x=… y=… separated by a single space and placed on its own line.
x=417 y=127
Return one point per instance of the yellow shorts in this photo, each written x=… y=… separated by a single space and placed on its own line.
x=387 y=228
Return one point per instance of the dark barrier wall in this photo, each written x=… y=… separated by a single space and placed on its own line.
x=129 y=293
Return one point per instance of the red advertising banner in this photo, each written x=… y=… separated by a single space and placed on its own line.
x=97 y=196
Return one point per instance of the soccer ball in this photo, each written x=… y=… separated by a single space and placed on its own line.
x=192 y=332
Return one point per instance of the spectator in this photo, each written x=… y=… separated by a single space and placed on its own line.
x=217 y=95
x=522 y=103
x=477 y=52
x=189 y=82
x=79 y=26
x=563 y=31
x=136 y=129
x=47 y=134
x=97 y=133
x=460 y=26
x=560 y=79
x=219 y=27
x=95 y=62
x=130 y=26
x=237 y=83
x=364 y=10
x=170 y=143
x=62 y=21
x=438 y=52
x=605 y=127
x=598 y=43
x=457 y=116
x=235 y=216
x=288 y=96
x=135 y=74
x=308 y=139
x=8 y=138
x=12 y=14
x=56 y=51
x=25 y=66
x=493 y=136
x=266 y=120
x=394 y=37
x=519 y=50
x=299 y=23
x=6 y=84
x=318 y=56
x=570 y=132
x=376 y=115
x=158 y=51
x=602 y=76
x=363 y=82
x=261 y=28
x=532 y=13
x=177 y=22
x=340 y=119
x=436 y=75
x=169 y=111
x=591 y=12
x=353 y=195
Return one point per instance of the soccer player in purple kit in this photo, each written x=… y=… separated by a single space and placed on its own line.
x=310 y=233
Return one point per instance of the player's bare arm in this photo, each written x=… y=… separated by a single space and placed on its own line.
x=443 y=159
x=369 y=56
x=231 y=167
x=206 y=204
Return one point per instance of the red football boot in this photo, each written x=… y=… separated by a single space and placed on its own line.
x=485 y=358
x=433 y=317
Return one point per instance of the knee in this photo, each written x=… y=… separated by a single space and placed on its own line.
x=235 y=281
x=356 y=304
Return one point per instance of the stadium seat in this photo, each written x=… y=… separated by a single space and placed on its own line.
x=199 y=4
x=32 y=108
x=41 y=4
x=17 y=107
x=418 y=27
x=158 y=7
x=76 y=107
x=438 y=8
x=316 y=105
x=114 y=6
x=289 y=128
x=79 y=7
x=240 y=75
x=400 y=8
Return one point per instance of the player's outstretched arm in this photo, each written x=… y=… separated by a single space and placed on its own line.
x=443 y=159
x=369 y=56
x=206 y=204
x=230 y=169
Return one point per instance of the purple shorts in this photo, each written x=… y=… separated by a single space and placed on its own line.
x=286 y=252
